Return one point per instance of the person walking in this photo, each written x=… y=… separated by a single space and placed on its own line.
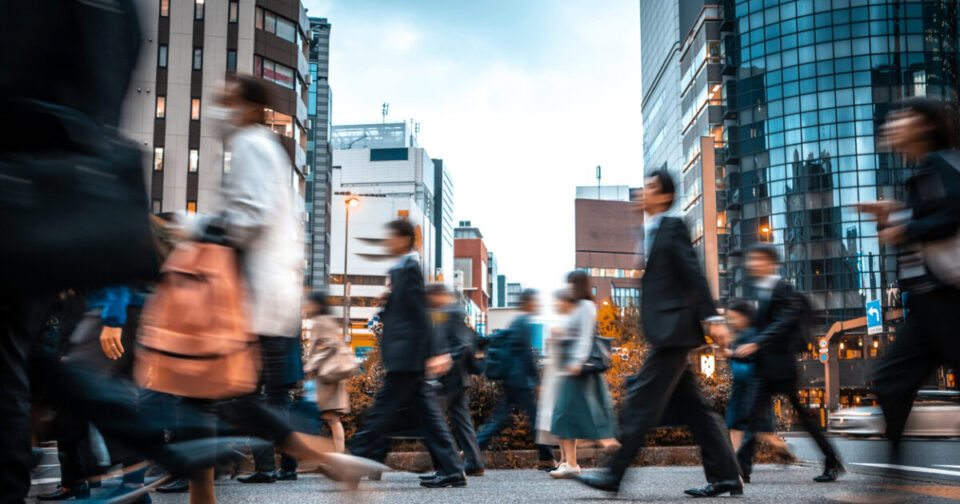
x=410 y=354
x=521 y=382
x=449 y=324
x=675 y=299
x=583 y=409
x=778 y=331
x=925 y=230
x=333 y=399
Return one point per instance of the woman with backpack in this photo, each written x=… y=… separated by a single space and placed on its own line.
x=583 y=408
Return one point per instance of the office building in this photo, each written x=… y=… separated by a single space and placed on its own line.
x=470 y=257
x=319 y=188
x=443 y=221
x=514 y=290
x=189 y=48
x=609 y=244
x=501 y=291
x=779 y=104
x=493 y=279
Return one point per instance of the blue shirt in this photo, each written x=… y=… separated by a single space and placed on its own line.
x=113 y=301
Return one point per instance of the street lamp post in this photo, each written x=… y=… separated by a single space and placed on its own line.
x=349 y=202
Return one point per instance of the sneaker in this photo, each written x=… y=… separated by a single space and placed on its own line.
x=565 y=471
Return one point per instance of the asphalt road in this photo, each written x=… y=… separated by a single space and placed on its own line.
x=777 y=484
x=933 y=459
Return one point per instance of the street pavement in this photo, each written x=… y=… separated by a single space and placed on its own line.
x=933 y=459
x=772 y=483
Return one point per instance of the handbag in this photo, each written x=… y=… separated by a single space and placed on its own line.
x=73 y=210
x=194 y=338
x=942 y=257
x=331 y=364
x=599 y=360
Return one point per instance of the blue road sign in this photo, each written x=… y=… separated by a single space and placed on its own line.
x=824 y=357
x=874 y=317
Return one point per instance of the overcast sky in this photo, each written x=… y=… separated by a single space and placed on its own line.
x=521 y=98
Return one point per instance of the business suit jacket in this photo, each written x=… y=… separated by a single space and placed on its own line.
x=524 y=372
x=452 y=331
x=407 y=339
x=778 y=328
x=675 y=293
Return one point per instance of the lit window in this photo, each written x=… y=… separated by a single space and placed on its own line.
x=231 y=60
x=227 y=156
x=258 y=18
x=161 y=107
x=198 y=58
x=194 y=160
x=195 y=109
x=164 y=8
x=158 y=159
x=234 y=11
x=162 y=56
x=198 y=10
x=192 y=207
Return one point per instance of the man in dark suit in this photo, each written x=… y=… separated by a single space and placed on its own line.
x=410 y=354
x=450 y=326
x=779 y=330
x=675 y=300
x=521 y=382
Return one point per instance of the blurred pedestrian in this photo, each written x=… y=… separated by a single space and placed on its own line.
x=449 y=324
x=584 y=409
x=778 y=332
x=925 y=230
x=521 y=382
x=675 y=300
x=739 y=317
x=333 y=398
x=411 y=354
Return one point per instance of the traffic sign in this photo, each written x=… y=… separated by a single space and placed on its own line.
x=824 y=357
x=874 y=317
x=823 y=344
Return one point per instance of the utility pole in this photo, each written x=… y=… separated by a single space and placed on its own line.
x=384 y=111
x=598 y=182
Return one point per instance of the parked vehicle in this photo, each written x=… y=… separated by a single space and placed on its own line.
x=935 y=413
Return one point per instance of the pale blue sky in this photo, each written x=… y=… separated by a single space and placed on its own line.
x=522 y=99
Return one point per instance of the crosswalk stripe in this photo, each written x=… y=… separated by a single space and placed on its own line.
x=44 y=481
x=947 y=466
x=928 y=470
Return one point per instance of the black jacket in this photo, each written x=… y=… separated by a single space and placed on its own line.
x=407 y=339
x=933 y=196
x=524 y=372
x=675 y=293
x=779 y=330
x=451 y=330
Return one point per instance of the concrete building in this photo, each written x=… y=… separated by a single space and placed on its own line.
x=443 y=221
x=319 y=187
x=470 y=257
x=609 y=244
x=514 y=290
x=189 y=48
x=493 y=279
x=501 y=291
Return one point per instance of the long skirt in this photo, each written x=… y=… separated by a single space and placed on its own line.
x=584 y=409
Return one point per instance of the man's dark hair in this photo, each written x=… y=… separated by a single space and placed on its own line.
x=580 y=285
x=742 y=307
x=766 y=249
x=666 y=182
x=251 y=89
x=941 y=119
x=403 y=229
x=528 y=295
x=319 y=298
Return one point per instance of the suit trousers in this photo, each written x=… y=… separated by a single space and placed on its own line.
x=927 y=340
x=402 y=389
x=15 y=457
x=275 y=382
x=665 y=377
x=456 y=403
x=522 y=399
x=762 y=390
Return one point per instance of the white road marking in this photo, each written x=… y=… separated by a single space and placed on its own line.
x=947 y=466
x=44 y=481
x=928 y=470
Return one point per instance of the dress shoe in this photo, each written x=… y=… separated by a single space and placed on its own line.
x=259 y=477
x=80 y=491
x=287 y=475
x=745 y=478
x=475 y=472
x=546 y=465
x=444 y=481
x=179 y=485
x=429 y=476
x=734 y=487
x=600 y=480
x=830 y=473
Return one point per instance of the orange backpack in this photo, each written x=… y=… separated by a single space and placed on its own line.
x=194 y=338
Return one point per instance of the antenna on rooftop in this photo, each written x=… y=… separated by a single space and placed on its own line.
x=384 y=111
x=416 y=132
x=598 y=183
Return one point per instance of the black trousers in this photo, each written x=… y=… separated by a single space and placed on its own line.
x=762 y=392
x=666 y=378
x=15 y=457
x=927 y=340
x=400 y=390
x=523 y=399
x=456 y=404
x=275 y=393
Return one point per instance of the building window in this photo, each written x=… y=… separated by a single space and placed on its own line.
x=162 y=56
x=198 y=9
x=278 y=25
x=158 y=159
x=227 y=156
x=164 y=8
x=258 y=18
x=195 y=109
x=234 y=11
x=157 y=206
x=192 y=207
x=231 y=60
x=198 y=58
x=465 y=266
x=280 y=123
x=274 y=72
x=161 y=107
x=194 y=161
